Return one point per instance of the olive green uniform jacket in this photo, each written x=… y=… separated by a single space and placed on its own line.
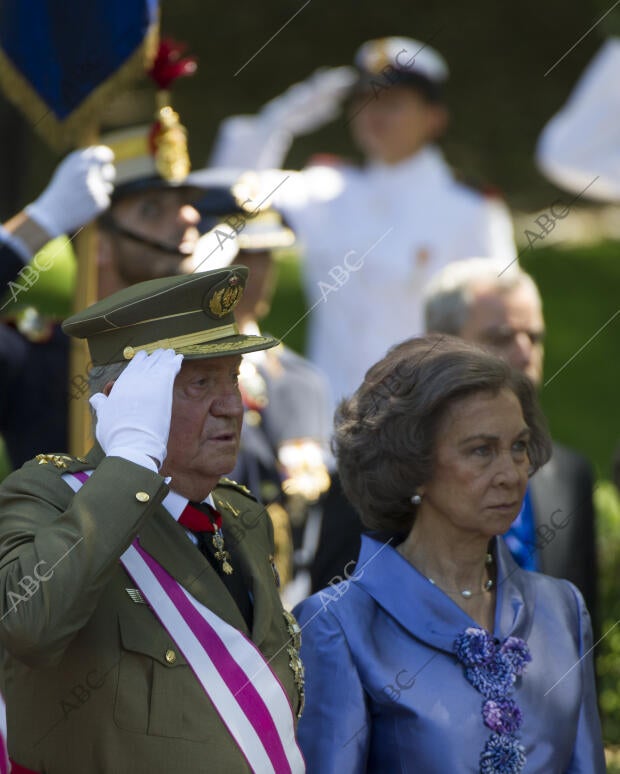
x=92 y=681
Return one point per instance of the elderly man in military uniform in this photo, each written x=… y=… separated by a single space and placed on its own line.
x=141 y=625
x=373 y=235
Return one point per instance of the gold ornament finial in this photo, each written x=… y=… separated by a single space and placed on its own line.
x=171 y=156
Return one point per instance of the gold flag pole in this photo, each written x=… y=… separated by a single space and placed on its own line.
x=86 y=294
x=80 y=428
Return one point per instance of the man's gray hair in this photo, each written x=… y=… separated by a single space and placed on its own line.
x=449 y=294
x=99 y=376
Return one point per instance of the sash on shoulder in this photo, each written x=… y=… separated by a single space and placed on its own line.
x=232 y=671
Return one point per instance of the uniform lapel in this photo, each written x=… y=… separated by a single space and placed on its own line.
x=253 y=555
x=166 y=541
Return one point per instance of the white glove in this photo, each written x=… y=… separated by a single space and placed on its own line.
x=308 y=105
x=79 y=190
x=133 y=421
x=216 y=249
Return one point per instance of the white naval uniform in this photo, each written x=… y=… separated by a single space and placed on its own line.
x=404 y=222
x=582 y=141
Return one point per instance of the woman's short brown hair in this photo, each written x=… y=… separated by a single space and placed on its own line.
x=385 y=433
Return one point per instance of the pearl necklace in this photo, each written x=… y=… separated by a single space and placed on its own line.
x=468 y=593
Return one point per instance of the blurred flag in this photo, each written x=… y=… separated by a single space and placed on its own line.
x=62 y=60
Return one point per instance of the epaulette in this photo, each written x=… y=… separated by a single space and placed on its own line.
x=235 y=485
x=64 y=462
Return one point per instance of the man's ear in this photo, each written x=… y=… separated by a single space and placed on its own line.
x=107 y=389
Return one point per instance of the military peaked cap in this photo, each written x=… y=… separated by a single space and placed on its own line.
x=192 y=314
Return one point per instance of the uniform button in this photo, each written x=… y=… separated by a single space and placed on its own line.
x=142 y=497
x=171 y=656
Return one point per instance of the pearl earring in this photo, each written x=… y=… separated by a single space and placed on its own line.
x=416 y=499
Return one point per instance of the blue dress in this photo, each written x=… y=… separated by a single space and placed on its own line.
x=385 y=691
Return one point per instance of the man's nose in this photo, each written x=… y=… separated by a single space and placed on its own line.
x=228 y=403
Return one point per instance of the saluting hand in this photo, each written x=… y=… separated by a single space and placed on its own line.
x=312 y=103
x=78 y=192
x=133 y=420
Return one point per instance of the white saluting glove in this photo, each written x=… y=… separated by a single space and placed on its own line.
x=262 y=141
x=308 y=105
x=133 y=421
x=78 y=192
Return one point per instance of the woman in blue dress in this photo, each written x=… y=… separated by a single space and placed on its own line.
x=438 y=654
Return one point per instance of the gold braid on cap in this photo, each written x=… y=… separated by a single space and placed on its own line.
x=184 y=341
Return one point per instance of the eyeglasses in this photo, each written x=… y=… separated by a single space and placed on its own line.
x=504 y=336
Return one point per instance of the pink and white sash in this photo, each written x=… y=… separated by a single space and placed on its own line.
x=232 y=671
x=4 y=759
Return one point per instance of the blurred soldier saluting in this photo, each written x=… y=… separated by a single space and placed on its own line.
x=372 y=235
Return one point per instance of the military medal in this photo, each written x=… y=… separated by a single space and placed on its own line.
x=221 y=554
x=201 y=518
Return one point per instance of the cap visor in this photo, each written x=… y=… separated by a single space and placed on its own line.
x=232 y=345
